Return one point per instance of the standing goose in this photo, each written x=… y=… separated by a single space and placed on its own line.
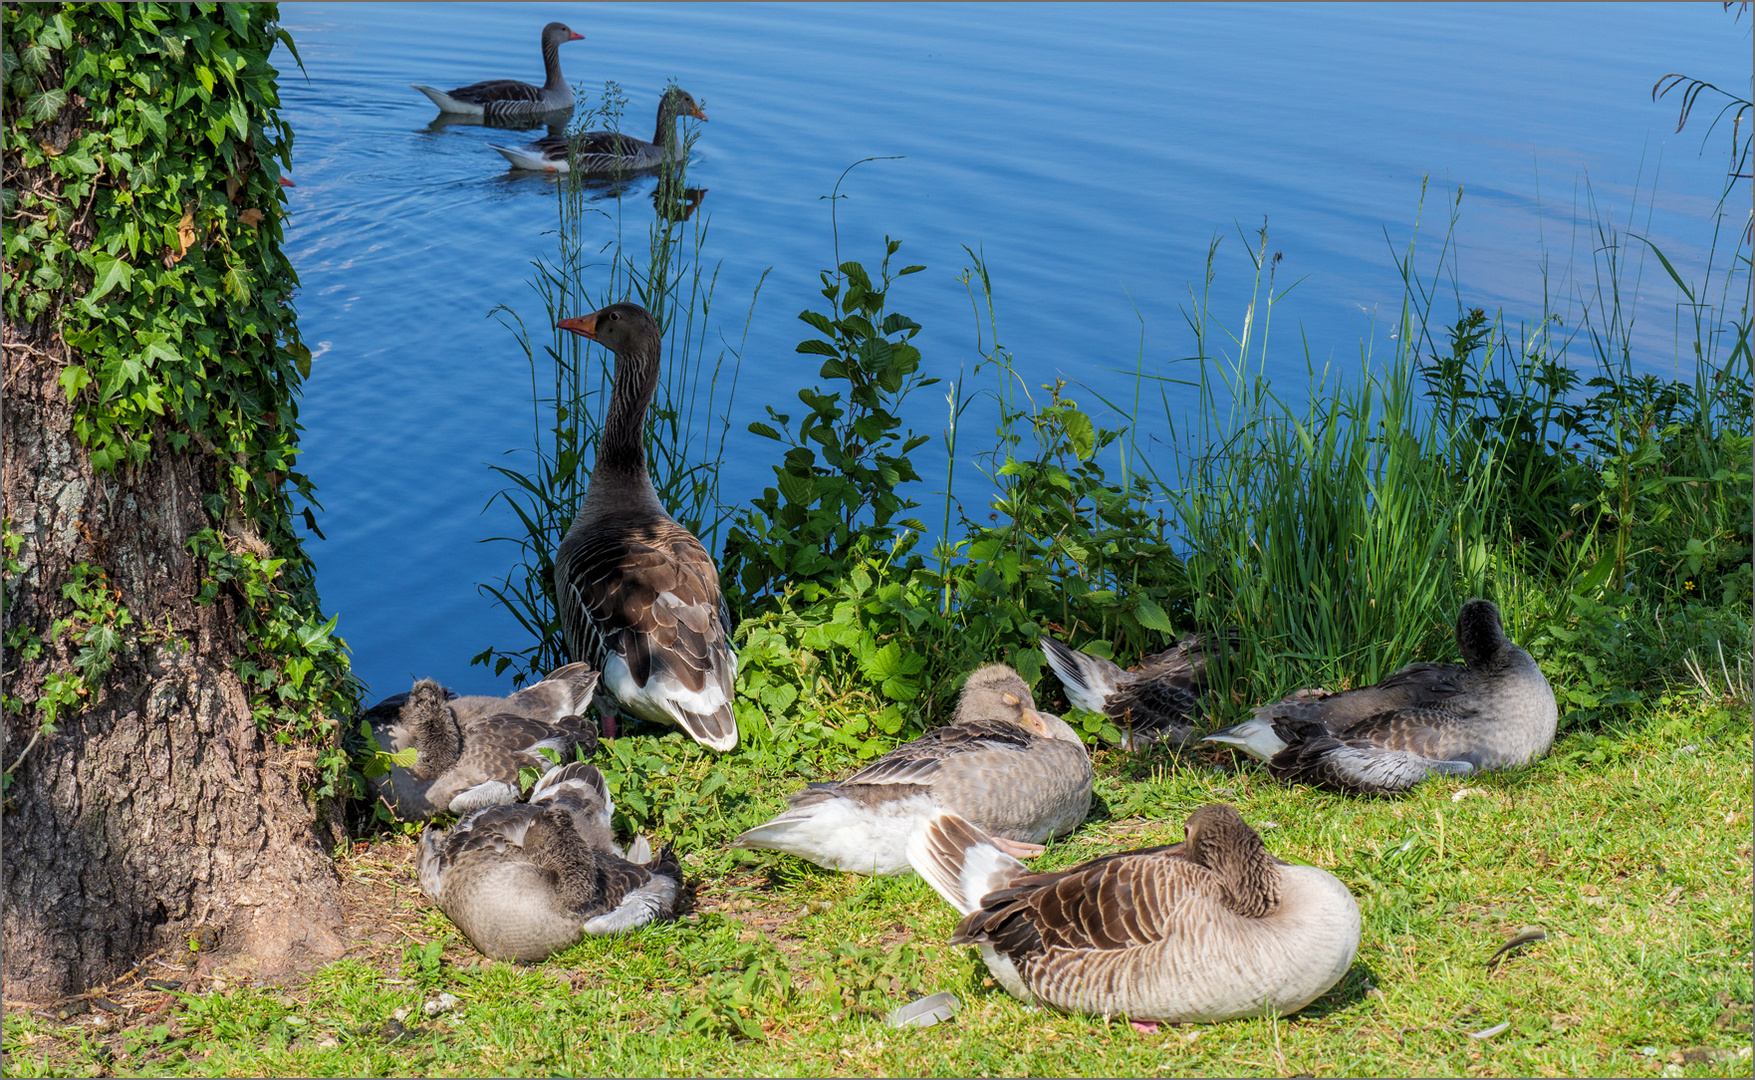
x=1021 y=774
x=1213 y=928
x=525 y=881
x=461 y=766
x=1494 y=713
x=498 y=99
x=1156 y=699
x=638 y=595
x=609 y=153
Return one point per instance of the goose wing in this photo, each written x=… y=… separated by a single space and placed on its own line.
x=496 y=747
x=917 y=762
x=644 y=607
x=631 y=894
x=491 y=91
x=1111 y=903
x=1418 y=686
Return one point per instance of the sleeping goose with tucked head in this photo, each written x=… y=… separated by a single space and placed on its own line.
x=608 y=153
x=1495 y=712
x=638 y=595
x=1158 y=699
x=525 y=881
x=469 y=757
x=509 y=99
x=1023 y=775
x=1213 y=928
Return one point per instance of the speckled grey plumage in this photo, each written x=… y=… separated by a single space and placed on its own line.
x=460 y=766
x=1021 y=774
x=1210 y=929
x=1158 y=699
x=527 y=880
x=1495 y=712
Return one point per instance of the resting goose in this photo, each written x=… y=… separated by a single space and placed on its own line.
x=508 y=98
x=1213 y=928
x=525 y=881
x=1022 y=775
x=563 y=692
x=1494 y=713
x=1156 y=699
x=608 y=153
x=638 y=595
x=469 y=757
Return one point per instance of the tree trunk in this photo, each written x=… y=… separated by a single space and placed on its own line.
x=159 y=813
x=160 y=810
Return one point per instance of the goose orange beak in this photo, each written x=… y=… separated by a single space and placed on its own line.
x=583 y=325
x=576 y=36
x=697 y=113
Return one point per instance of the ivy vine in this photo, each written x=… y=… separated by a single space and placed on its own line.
x=143 y=209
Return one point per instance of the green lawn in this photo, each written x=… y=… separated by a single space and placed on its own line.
x=1632 y=850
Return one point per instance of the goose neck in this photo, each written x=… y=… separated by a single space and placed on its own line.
x=621 y=448
x=439 y=740
x=551 y=63
x=664 y=135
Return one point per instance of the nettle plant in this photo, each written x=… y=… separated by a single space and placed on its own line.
x=836 y=490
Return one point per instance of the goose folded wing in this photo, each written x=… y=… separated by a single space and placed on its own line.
x=497 y=90
x=650 y=601
x=1115 y=902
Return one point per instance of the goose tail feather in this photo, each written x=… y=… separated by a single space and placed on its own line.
x=960 y=862
x=1089 y=680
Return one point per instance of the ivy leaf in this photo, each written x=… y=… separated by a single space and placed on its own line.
x=111 y=272
x=1081 y=433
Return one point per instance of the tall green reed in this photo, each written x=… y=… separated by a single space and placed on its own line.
x=594 y=265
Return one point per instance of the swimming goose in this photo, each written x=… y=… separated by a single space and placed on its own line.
x=507 y=98
x=608 y=153
x=1494 y=713
x=1213 y=928
x=1156 y=699
x=638 y=595
x=461 y=765
x=1022 y=775
x=525 y=881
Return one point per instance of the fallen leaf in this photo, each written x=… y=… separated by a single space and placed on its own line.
x=251 y=217
x=185 y=236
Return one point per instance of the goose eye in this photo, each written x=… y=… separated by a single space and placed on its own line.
x=1009 y=699
x=615 y=316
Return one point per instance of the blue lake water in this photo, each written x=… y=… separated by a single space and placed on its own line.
x=1091 y=152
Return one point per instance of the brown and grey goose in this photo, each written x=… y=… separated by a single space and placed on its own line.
x=1023 y=775
x=608 y=153
x=638 y=595
x=1158 y=699
x=468 y=750
x=525 y=881
x=498 y=99
x=1213 y=928
x=1495 y=712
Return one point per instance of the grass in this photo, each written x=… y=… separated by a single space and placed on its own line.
x=1630 y=848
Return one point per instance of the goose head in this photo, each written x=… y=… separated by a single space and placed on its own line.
x=558 y=34
x=678 y=102
x=1479 y=634
x=1220 y=840
x=996 y=692
x=619 y=328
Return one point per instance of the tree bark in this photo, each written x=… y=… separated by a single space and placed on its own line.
x=160 y=811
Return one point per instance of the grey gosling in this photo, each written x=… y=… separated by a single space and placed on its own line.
x=1496 y=712
x=468 y=750
x=524 y=881
x=1213 y=928
x=1023 y=775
